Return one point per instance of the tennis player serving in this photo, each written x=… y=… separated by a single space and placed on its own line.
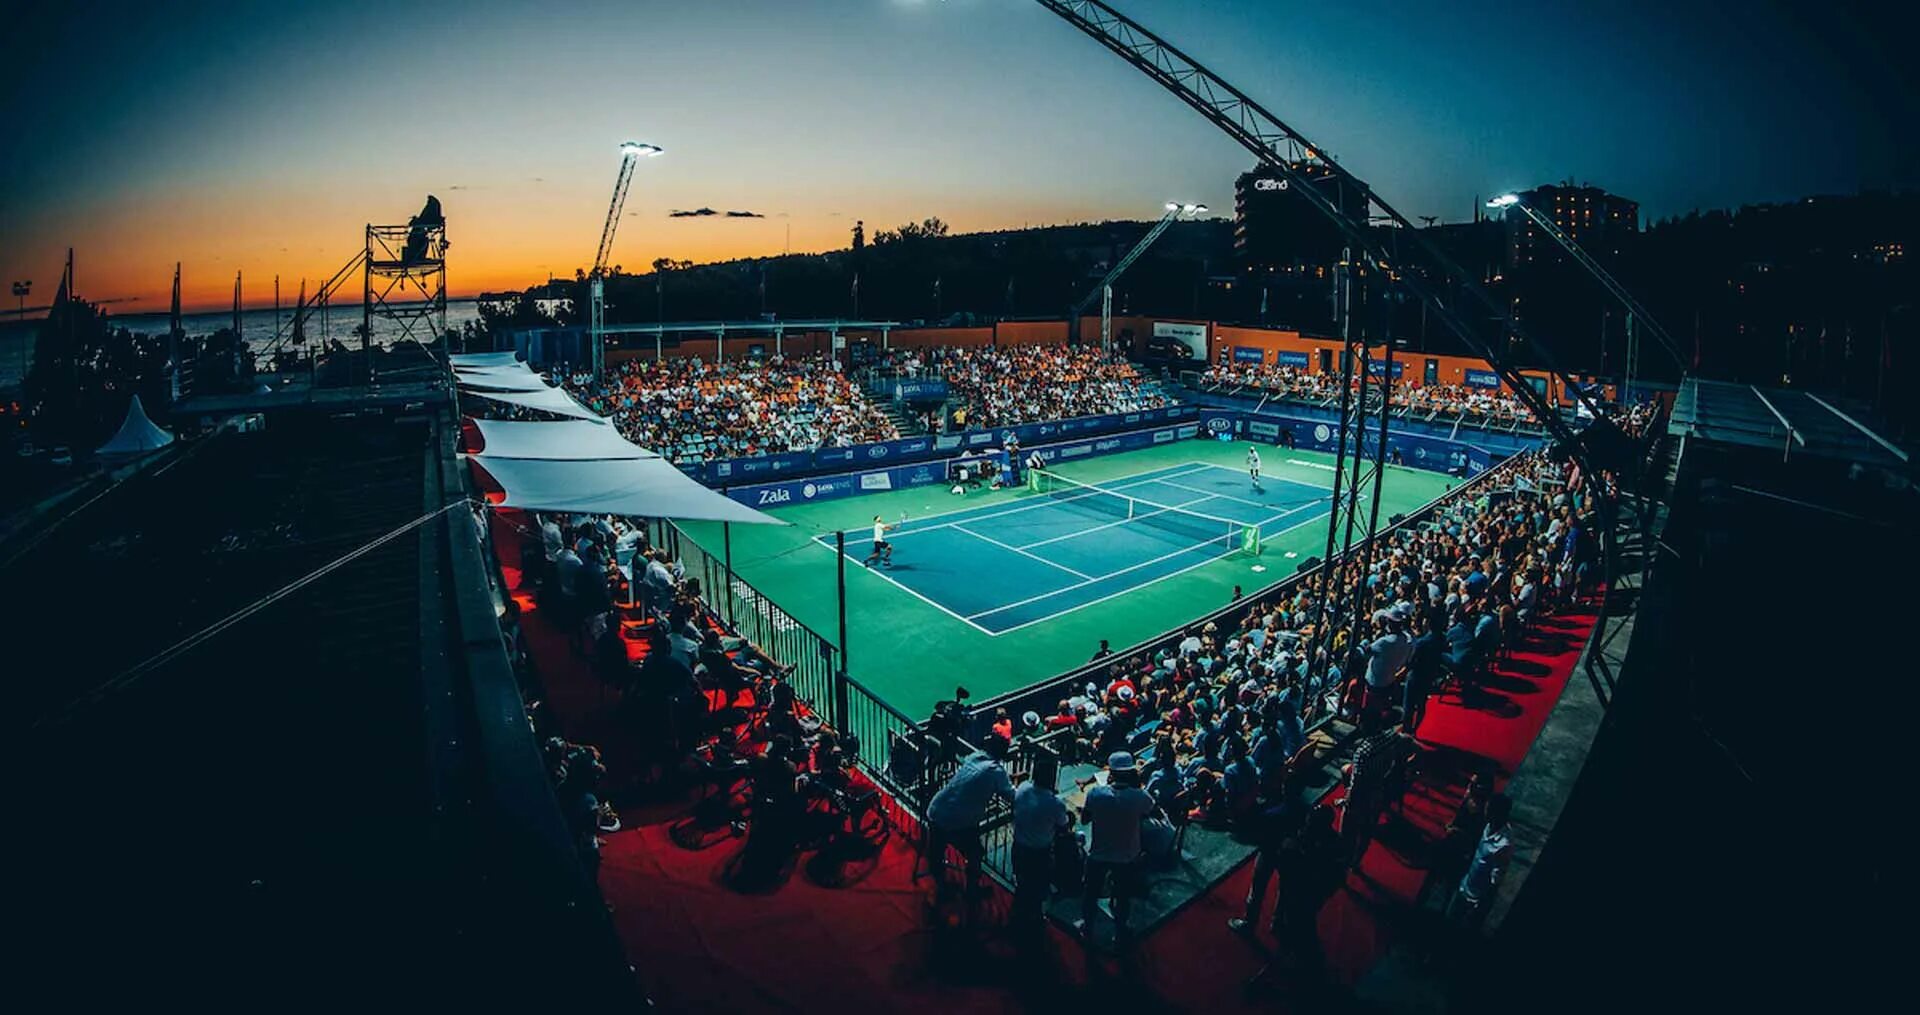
x=882 y=550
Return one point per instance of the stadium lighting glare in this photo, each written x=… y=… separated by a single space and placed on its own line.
x=1172 y=206
x=1504 y=201
x=640 y=148
x=1196 y=209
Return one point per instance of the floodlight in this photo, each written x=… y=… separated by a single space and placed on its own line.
x=640 y=148
x=1504 y=201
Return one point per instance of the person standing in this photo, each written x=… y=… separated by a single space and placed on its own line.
x=954 y=814
x=1038 y=816
x=1490 y=858
x=1253 y=465
x=1370 y=778
x=882 y=550
x=1113 y=812
x=1273 y=835
x=1424 y=670
x=1310 y=872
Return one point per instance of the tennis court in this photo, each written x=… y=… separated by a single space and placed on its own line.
x=1067 y=545
x=1007 y=610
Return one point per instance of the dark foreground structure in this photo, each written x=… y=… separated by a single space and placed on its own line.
x=272 y=751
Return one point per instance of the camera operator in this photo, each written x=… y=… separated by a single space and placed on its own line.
x=1038 y=817
x=955 y=813
x=945 y=727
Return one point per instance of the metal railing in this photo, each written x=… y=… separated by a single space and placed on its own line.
x=772 y=631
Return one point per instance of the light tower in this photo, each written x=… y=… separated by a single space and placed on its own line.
x=630 y=152
x=1636 y=314
x=1104 y=291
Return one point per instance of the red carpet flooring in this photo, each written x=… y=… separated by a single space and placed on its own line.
x=699 y=945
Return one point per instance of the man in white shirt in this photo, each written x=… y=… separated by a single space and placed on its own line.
x=882 y=550
x=954 y=814
x=1038 y=816
x=1114 y=812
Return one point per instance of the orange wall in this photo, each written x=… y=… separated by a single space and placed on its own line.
x=1450 y=369
x=928 y=338
x=1030 y=333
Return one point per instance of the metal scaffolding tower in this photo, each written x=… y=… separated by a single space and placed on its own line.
x=404 y=281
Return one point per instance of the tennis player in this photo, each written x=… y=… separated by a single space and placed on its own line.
x=882 y=550
x=1253 y=465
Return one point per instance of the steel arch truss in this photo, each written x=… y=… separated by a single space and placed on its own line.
x=1275 y=143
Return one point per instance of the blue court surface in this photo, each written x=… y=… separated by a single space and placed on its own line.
x=1005 y=566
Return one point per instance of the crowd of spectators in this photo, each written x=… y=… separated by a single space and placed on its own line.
x=697 y=702
x=996 y=386
x=692 y=410
x=1222 y=716
x=1450 y=401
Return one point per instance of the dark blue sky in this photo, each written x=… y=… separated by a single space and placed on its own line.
x=259 y=139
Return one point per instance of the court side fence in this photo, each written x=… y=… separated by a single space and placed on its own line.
x=1044 y=697
x=899 y=754
x=879 y=730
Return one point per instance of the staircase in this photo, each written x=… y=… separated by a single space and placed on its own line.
x=880 y=392
x=909 y=424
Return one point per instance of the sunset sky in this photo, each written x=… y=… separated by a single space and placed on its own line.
x=262 y=136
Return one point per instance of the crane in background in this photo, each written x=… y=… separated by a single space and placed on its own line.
x=630 y=153
x=1104 y=291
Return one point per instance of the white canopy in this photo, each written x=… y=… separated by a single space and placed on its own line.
x=569 y=440
x=547 y=399
x=137 y=434
x=500 y=380
x=641 y=487
x=483 y=359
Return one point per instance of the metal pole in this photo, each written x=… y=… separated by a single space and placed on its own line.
x=1106 y=320
x=840 y=674
x=726 y=543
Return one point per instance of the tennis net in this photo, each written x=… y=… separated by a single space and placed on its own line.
x=1201 y=529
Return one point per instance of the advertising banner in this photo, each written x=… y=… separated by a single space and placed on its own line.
x=1482 y=378
x=1297 y=360
x=920 y=391
x=1249 y=354
x=1193 y=336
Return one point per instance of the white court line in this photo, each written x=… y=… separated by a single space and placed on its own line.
x=1076 y=534
x=1276 y=477
x=958 y=527
x=1124 y=591
x=889 y=580
x=1222 y=496
x=1156 y=560
x=1030 y=503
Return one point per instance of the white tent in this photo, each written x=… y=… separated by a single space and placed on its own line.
x=137 y=434
x=516 y=368
x=570 y=440
x=483 y=359
x=547 y=399
x=640 y=487
x=500 y=380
